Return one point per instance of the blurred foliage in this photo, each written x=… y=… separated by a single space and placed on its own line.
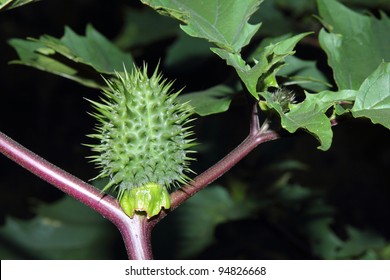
x=282 y=220
x=286 y=200
x=11 y=4
x=65 y=229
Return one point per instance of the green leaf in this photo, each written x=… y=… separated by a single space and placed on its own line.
x=328 y=245
x=187 y=51
x=224 y=23
x=273 y=19
x=199 y=216
x=318 y=223
x=63 y=230
x=30 y=57
x=93 y=49
x=297 y=7
x=210 y=101
x=11 y=4
x=303 y=73
x=136 y=33
x=67 y=56
x=355 y=44
x=272 y=59
x=359 y=242
x=263 y=74
x=310 y=114
x=373 y=98
x=248 y=75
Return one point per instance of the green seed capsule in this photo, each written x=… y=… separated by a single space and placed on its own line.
x=144 y=140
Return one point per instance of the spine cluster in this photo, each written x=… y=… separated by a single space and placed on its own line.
x=144 y=139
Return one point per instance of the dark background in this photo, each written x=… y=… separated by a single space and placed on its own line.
x=48 y=115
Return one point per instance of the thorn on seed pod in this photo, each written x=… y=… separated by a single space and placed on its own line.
x=144 y=141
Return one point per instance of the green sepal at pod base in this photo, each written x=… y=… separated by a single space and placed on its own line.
x=144 y=140
x=150 y=198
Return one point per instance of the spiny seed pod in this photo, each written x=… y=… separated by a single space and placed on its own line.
x=144 y=140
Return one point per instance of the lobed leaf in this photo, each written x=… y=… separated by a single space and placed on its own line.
x=35 y=54
x=210 y=101
x=67 y=56
x=354 y=43
x=222 y=22
x=327 y=244
x=373 y=98
x=310 y=114
x=303 y=73
x=263 y=74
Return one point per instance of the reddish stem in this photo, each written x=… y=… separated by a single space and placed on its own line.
x=135 y=233
x=257 y=135
x=221 y=167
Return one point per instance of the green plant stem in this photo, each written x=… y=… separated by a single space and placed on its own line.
x=135 y=232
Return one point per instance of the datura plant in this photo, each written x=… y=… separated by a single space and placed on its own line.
x=144 y=140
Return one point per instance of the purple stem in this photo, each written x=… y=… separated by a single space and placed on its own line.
x=257 y=135
x=221 y=167
x=135 y=233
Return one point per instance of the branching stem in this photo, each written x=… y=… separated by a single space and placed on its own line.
x=221 y=167
x=136 y=232
x=257 y=135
